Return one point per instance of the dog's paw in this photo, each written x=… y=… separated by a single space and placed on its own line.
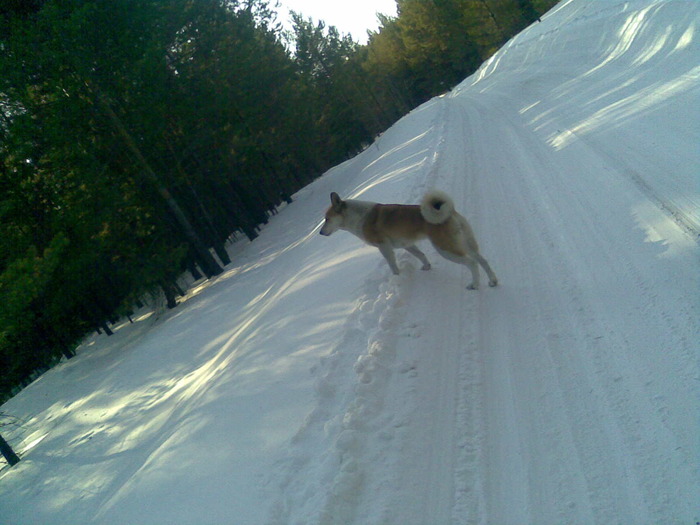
x=426 y=267
x=493 y=283
x=472 y=287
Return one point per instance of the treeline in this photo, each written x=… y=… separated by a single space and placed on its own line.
x=136 y=136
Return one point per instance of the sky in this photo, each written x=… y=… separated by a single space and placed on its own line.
x=349 y=16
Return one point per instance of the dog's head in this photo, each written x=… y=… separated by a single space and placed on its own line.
x=334 y=216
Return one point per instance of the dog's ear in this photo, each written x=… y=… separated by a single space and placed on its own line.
x=336 y=201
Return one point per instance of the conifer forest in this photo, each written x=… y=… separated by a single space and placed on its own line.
x=138 y=136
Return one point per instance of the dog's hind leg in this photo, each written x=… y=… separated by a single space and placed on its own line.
x=413 y=250
x=474 y=268
x=493 y=280
x=388 y=253
x=471 y=261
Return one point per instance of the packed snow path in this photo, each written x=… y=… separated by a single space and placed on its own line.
x=562 y=396
x=307 y=385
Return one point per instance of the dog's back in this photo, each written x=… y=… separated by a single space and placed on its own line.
x=404 y=224
x=396 y=223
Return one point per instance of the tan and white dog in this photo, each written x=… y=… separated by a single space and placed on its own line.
x=392 y=226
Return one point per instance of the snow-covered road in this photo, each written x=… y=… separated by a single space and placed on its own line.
x=317 y=388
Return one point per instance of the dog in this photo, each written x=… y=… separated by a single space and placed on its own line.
x=392 y=226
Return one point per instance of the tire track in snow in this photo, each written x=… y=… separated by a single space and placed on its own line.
x=469 y=502
x=686 y=219
x=649 y=454
x=437 y=453
x=438 y=458
x=430 y=473
x=532 y=459
x=614 y=406
x=489 y=365
x=623 y=452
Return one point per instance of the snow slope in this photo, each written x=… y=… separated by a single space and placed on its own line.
x=307 y=385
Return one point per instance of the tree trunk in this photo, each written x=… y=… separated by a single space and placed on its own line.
x=493 y=17
x=103 y=325
x=178 y=289
x=8 y=453
x=222 y=253
x=192 y=267
x=169 y=293
x=209 y=264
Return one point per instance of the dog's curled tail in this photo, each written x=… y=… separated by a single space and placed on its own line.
x=436 y=207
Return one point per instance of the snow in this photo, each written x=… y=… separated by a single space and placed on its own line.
x=308 y=385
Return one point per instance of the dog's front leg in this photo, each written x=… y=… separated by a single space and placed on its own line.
x=413 y=250
x=388 y=253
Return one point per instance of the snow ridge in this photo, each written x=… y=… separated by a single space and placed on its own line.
x=347 y=419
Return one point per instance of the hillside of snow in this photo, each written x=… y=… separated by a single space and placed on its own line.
x=308 y=385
